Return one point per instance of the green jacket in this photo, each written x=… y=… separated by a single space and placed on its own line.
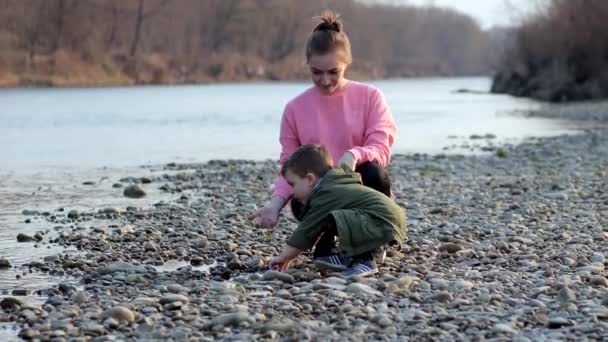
x=365 y=218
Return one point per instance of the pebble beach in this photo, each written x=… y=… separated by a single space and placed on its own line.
x=507 y=244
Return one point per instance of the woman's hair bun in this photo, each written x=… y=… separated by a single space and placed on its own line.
x=330 y=21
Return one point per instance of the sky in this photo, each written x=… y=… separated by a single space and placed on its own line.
x=487 y=12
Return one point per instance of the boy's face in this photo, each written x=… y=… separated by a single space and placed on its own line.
x=302 y=186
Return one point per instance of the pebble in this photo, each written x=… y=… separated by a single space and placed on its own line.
x=515 y=251
x=450 y=247
x=10 y=303
x=234 y=319
x=134 y=191
x=275 y=275
x=120 y=314
x=172 y=298
x=5 y=263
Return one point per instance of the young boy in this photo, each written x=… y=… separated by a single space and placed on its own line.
x=337 y=205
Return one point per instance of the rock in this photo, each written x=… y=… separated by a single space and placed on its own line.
x=117 y=185
x=29 y=333
x=461 y=284
x=442 y=296
x=92 y=327
x=362 y=289
x=599 y=281
x=281 y=326
x=134 y=191
x=150 y=247
x=171 y=298
x=233 y=319
x=566 y=296
x=5 y=263
x=450 y=247
x=73 y=214
x=235 y=264
x=126 y=229
x=121 y=266
x=24 y=238
x=144 y=301
x=111 y=211
x=197 y=261
x=404 y=282
x=120 y=314
x=255 y=262
x=20 y=292
x=504 y=328
x=275 y=275
x=598 y=258
x=10 y=303
x=79 y=297
x=556 y=322
x=145 y=180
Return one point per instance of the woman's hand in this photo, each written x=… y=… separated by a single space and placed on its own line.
x=349 y=160
x=268 y=216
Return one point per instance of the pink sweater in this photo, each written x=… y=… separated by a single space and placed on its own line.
x=355 y=119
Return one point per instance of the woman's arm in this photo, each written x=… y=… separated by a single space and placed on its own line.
x=289 y=143
x=380 y=132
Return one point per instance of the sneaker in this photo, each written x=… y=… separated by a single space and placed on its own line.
x=361 y=268
x=332 y=262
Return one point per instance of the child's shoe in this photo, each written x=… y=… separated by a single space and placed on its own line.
x=332 y=262
x=362 y=268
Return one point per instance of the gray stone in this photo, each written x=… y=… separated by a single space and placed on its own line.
x=134 y=191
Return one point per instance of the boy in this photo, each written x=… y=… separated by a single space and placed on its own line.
x=337 y=205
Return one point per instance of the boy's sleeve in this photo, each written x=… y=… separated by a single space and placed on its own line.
x=311 y=227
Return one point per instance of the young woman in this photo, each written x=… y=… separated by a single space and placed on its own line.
x=351 y=119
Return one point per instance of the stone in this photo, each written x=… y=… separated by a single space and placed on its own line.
x=599 y=281
x=233 y=319
x=5 y=263
x=120 y=314
x=171 y=298
x=276 y=275
x=121 y=266
x=29 y=334
x=363 y=289
x=79 y=297
x=20 y=292
x=450 y=247
x=10 y=303
x=73 y=214
x=134 y=191
x=566 y=295
x=24 y=238
x=442 y=296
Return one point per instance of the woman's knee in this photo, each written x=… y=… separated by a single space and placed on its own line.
x=375 y=177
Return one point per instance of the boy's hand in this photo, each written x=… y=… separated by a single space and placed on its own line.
x=279 y=263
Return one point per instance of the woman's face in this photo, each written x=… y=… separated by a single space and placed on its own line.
x=327 y=72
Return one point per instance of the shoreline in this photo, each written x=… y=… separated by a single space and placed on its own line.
x=499 y=246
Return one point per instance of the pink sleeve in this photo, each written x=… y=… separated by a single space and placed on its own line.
x=380 y=131
x=289 y=143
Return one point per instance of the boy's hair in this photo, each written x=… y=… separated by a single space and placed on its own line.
x=310 y=158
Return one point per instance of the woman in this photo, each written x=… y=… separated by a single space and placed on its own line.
x=351 y=119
